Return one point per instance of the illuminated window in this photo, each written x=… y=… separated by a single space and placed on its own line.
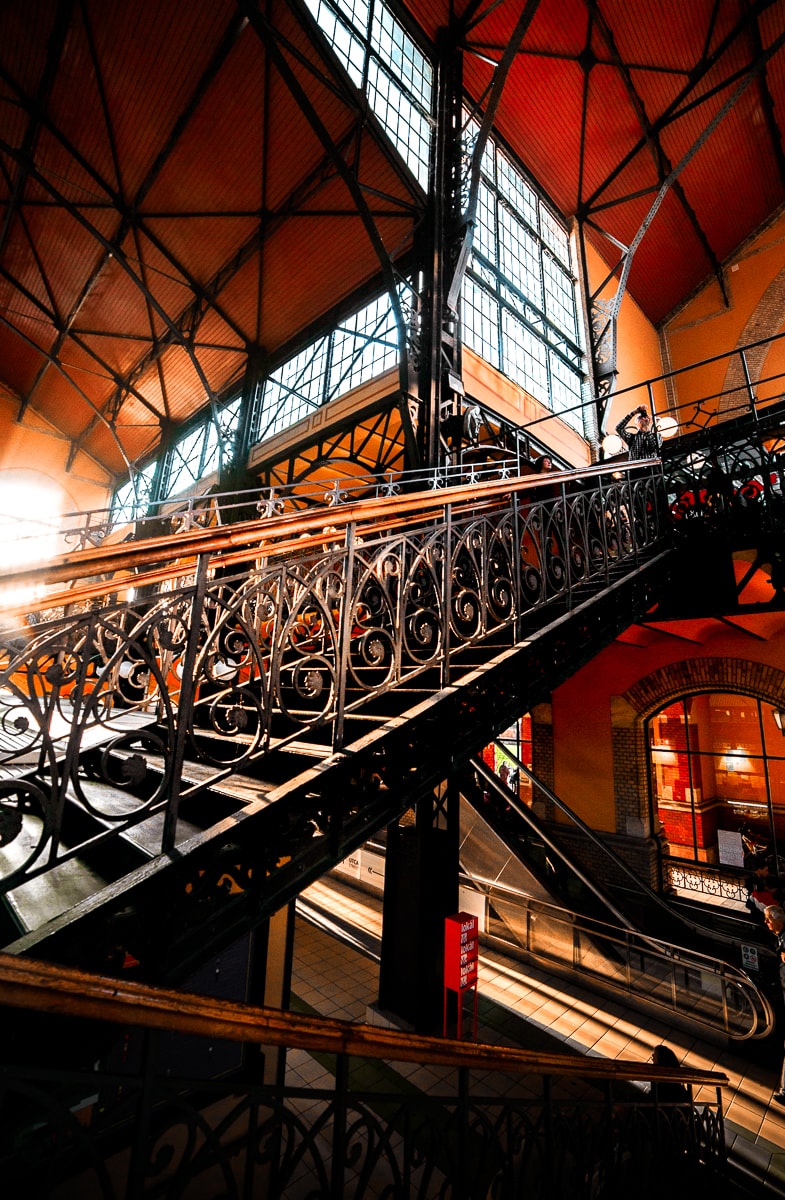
x=717 y=765
x=198 y=453
x=363 y=346
x=132 y=500
x=519 y=306
x=384 y=62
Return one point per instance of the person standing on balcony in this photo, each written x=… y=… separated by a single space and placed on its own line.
x=644 y=440
x=774 y=916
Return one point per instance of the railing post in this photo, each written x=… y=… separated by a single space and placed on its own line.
x=339 y=1127
x=185 y=706
x=748 y=383
x=141 y=1141
x=75 y=732
x=515 y=504
x=344 y=634
x=447 y=593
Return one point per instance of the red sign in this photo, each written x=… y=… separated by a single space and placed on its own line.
x=461 y=943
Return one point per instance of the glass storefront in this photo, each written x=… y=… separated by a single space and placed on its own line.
x=717 y=765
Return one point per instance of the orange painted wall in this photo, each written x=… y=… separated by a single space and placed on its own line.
x=583 y=765
x=705 y=327
x=637 y=350
x=32 y=452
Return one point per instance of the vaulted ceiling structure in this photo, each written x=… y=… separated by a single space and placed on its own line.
x=185 y=186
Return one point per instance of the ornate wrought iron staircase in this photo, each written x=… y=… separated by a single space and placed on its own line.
x=274 y=691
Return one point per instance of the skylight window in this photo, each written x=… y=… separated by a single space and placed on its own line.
x=519 y=306
x=385 y=63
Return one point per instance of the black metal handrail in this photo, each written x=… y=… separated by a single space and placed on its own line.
x=257 y=638
x=559 y=1126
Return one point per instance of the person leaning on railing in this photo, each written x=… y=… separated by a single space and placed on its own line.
x=644 y=441
x=774 y=916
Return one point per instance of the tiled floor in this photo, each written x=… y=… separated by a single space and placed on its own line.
x=336 y=974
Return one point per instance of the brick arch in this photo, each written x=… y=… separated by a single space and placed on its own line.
x=764 y=321
x=692 y=675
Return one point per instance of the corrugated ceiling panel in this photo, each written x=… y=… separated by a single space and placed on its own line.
x=68 y=253
x=294 y=260
x=185 y=391
x=152 y=56
x=671 y=34
x=201 y=246
x=216 y=164
x=741 y=150
x=541 y=118
x=610 y=142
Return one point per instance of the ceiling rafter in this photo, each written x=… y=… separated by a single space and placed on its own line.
x=189 y=318
x=54 y=51
x=662 y=161
x=53 y=352
x=120 y=258
x=59 y=366
x=739 y=628
x=674 y=110
x=767 y=101
x=269 y=38
x=112 y=246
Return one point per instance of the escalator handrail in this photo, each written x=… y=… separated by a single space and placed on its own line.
x=640 y=884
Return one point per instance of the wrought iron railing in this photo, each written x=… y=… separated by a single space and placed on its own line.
x=557 y=1126
x=708 y=880
x=158 y=678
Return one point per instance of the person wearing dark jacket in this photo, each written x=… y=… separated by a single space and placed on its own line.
x=644 y=441
x=774 y=916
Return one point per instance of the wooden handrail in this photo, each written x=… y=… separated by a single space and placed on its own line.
x=151 y=561
x=44 y=987
x=135 y=555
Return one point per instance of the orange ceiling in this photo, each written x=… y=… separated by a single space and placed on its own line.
x=180 y=184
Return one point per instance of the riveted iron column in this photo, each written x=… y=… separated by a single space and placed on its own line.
x=440 y=366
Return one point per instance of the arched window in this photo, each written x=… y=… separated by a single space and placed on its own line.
x=717 y=764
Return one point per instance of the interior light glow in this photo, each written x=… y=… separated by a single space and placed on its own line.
x=29 y=524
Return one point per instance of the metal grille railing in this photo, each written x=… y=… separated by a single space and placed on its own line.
x=217 y=648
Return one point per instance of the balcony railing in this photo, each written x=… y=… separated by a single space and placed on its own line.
x=550 y=1126
x=168 y=668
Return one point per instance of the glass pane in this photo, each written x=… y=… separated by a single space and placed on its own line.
x=480 y=312
x=732 y=729
x=555 y=236
x=407 y=127
x=566 y=392
x=525 y=358
x=185 y=461
x=519 y=257
x=559 y=297
x=515 y=190
x=485 y=229
x=363 y=346
x=773 y=735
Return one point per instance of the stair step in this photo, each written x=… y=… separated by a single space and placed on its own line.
x=47 y=896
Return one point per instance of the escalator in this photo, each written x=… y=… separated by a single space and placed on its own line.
x=541 y=902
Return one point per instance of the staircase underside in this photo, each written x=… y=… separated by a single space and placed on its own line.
x=309 y=809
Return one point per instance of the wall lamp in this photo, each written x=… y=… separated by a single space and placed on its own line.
x=779 y=718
